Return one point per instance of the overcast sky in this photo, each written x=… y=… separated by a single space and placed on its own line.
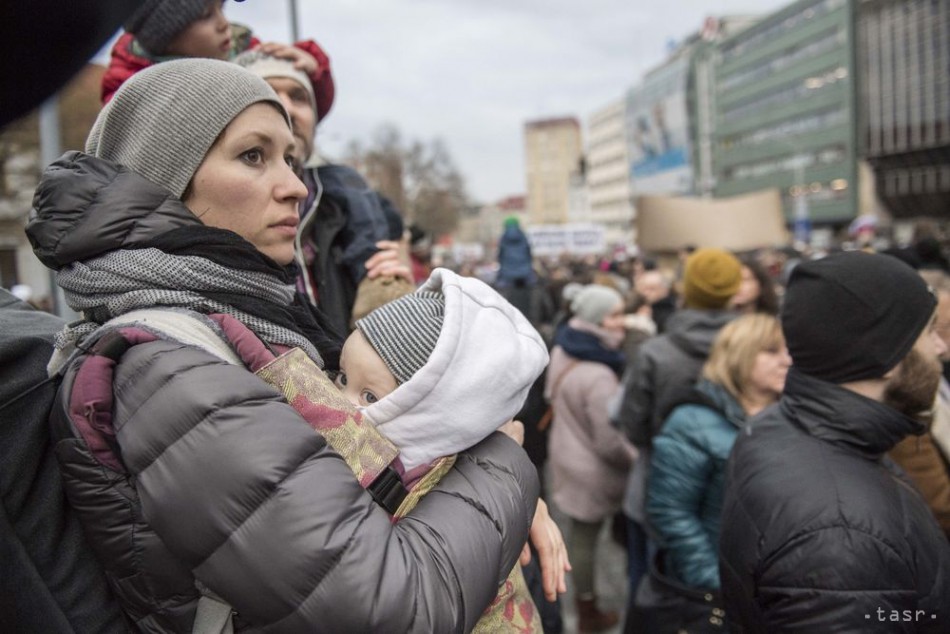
x=471 y=72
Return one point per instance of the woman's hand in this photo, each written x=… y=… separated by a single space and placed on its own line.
x=302 y=60
x=388 y=261
x=552 y=553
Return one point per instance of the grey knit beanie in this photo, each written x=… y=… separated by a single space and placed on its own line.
x=266 y=66
x=595 y=302
x=165 y=118
x=404 y=331
x=157 y=22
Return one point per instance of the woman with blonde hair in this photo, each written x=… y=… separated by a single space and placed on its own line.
x=745 y=373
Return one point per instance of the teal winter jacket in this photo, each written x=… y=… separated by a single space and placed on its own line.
x=685 y=485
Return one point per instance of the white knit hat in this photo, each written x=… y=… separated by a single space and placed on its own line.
x=267 y=66
x=594 y=302
x=164 y=119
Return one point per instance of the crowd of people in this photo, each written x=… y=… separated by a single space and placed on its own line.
x=275 y=414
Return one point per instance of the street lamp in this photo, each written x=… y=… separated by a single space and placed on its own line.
x=801 y=214
x=294 y=26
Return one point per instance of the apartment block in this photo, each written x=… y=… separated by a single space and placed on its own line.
x=553 y=153
x=608 y=173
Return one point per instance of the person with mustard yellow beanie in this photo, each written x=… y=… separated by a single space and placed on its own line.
x=664 y=367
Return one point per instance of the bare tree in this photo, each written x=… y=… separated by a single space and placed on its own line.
x=420 y=178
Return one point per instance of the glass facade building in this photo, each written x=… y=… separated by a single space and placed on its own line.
x=785 y=110
x=904 y=69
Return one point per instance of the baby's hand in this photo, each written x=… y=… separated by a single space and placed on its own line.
x=514 y=429
x=302 y=59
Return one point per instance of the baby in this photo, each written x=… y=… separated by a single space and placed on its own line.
x=437 y=371
x=440 y=369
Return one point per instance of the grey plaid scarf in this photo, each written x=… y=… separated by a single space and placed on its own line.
x=125 y=280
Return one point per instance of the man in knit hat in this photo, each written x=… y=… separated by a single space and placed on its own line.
x=348 y=232
x=663 y=368
x=821 y=532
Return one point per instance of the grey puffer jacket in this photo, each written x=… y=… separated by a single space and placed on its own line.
x=663 y=367
x=229 y=486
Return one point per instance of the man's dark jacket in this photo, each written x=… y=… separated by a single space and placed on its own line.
x=350 y=219
x=820 y=531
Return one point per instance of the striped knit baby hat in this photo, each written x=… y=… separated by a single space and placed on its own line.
x=404 y=331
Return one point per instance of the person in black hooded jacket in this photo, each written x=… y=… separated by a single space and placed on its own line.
x=822 y=532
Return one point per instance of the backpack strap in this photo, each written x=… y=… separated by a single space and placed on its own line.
x=548 y=415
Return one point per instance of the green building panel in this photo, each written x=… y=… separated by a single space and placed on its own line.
x=806 y=128
x=783 y=41
x=832 y=97
x=812 y=67
x=801 y=144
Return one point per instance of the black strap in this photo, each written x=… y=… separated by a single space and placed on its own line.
x=112 y=345
x=53 y=379
x=388 y=490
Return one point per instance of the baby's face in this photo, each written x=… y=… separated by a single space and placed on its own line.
x=364 y=377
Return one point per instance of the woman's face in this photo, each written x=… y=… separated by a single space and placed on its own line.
x=246 y=183
x=749 y=289
x=769 y=370
x=614 y=320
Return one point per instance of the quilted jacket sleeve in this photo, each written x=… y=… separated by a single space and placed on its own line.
x=252 y=500
x=679 y=476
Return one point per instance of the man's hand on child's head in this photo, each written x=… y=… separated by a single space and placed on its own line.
x=513 y=429
x=389 y=260
x=302 y=59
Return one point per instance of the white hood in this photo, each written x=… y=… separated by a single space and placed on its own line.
x=486 y=359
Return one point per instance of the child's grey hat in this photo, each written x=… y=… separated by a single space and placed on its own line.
x=404 y=331
x=164 y=119
x=157 y=22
